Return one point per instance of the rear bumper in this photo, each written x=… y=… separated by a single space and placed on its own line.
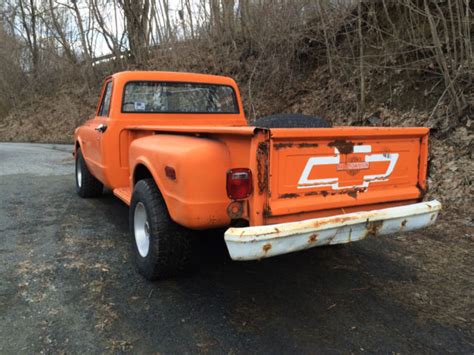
x=259 y=242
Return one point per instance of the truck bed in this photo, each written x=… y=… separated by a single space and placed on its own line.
x=302 y=173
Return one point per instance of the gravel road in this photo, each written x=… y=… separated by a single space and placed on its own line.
x=67 y=283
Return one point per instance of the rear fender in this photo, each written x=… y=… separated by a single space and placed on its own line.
x=197 y=198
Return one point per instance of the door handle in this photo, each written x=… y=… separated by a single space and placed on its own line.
x=101 y=128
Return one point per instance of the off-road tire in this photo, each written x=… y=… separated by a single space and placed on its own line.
x=291 y=120
x=172 y=248
x=86 y=184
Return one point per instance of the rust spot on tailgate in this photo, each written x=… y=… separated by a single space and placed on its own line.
x=344 y=147
x=316 y=193
x=312 y=238
x=267 y=247
x=278 y=146
x=267 y=211
x=292 y=195
x=352 y=193
x=307 y=145
x=404 y=223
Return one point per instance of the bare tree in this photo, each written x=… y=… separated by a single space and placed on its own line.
x=28 y=19
x=112 y=41
x=59 y=31
x=136 y=13
x=86 y=50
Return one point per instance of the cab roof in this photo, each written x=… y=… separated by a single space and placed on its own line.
x=173 y=76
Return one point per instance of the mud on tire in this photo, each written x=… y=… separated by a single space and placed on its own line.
x=171 y=247
x=86 y=184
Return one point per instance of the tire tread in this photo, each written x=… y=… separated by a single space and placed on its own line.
x=171 y=245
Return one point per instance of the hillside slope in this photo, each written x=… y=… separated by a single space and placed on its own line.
x=380 y=63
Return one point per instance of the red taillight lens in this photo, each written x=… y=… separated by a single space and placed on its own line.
x=239 y=183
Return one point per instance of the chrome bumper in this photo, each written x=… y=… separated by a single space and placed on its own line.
x=259 y=242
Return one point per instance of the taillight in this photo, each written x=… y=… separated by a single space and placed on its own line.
x=239 y=183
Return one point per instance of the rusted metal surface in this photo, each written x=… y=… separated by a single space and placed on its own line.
x=267 y=211
x=235 y=210
x=262 y=167
x=351 y=192
x=278 y=146
x=374 y=227
x=258 y=242
x=307 y=145
x=312 y=238
x=283 y=145
x=344 y=147
x=290 y=195
x=266 y=247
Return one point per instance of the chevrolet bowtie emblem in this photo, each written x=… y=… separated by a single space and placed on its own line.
x=306 y=183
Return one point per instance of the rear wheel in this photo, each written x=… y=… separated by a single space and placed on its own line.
x=291 y=120
x=86 y=184
x=162 y=248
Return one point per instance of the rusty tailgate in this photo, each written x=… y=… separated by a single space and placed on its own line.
x=331 y=168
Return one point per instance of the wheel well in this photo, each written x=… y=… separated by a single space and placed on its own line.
x=141 y=172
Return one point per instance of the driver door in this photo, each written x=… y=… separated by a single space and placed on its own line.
x=99 y=126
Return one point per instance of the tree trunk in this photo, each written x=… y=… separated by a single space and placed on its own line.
x=136 y=14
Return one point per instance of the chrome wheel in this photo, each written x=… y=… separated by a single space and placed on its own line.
x=78 y=173
x=141 y=229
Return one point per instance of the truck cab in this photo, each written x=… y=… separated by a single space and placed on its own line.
x=176 y=148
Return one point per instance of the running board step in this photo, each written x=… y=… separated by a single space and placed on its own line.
x=124 y=193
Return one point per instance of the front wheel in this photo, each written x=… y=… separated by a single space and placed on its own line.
x=162 y=248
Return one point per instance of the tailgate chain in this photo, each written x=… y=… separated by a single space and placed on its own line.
x=262 y=166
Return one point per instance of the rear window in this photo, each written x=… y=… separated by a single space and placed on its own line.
x=172 y=97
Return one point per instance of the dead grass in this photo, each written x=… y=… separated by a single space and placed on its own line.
x=49 y=119
x=444 y=287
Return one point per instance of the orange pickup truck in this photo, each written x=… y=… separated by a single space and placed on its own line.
x=177 y=149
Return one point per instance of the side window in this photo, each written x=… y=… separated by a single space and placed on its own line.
x=105 y=104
